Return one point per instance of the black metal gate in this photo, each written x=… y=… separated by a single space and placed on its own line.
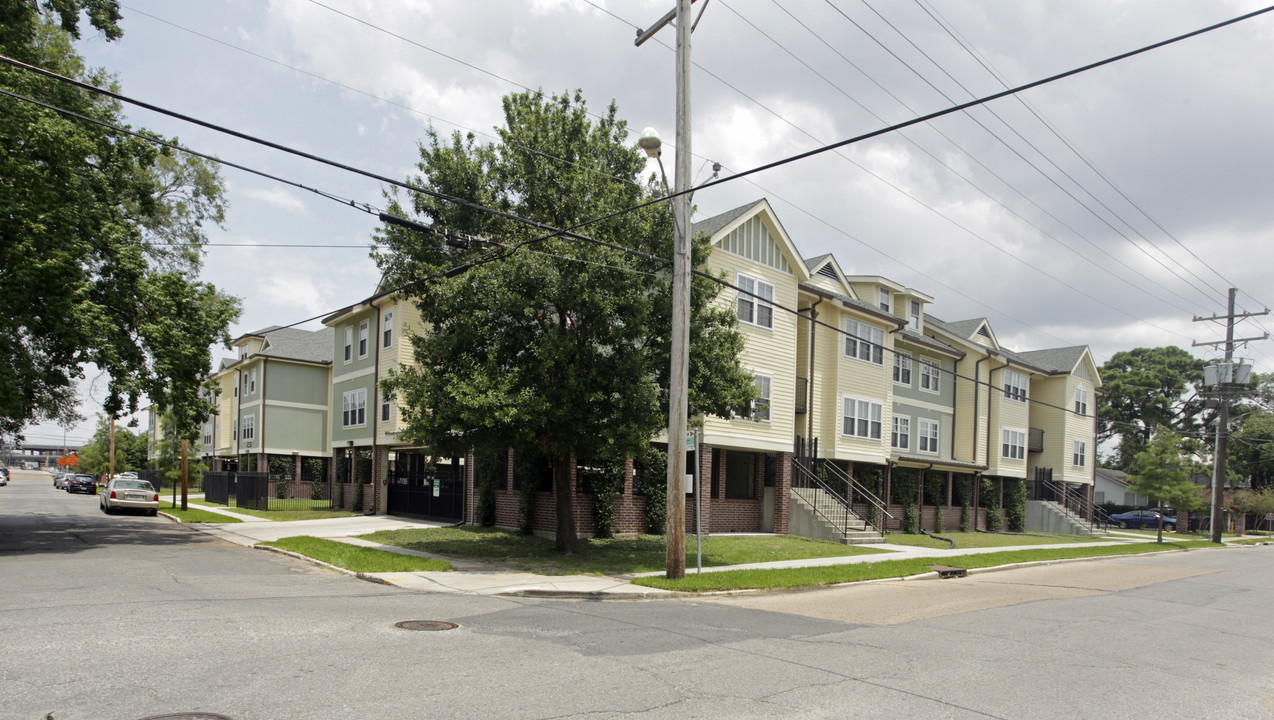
x=423 y=488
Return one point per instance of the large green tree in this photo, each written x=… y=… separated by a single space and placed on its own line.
x=560 y=346
x=1144 y=389
x=1161 y=472
x=100 y=237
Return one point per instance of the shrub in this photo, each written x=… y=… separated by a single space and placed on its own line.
x=1015 y=504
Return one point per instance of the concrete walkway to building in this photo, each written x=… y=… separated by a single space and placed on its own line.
x=475 y=578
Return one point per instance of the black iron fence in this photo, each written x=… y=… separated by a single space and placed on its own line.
x=271 y=491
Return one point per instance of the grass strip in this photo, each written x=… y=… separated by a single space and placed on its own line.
x=356 y=558
x=195 y=515
x=891 y=569
x=964 y=540
x=614 y=556
x=322 y=509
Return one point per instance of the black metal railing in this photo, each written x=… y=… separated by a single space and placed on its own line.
x=218 y=487
x=832 y=492
x=259 y=491
x=1074 y=501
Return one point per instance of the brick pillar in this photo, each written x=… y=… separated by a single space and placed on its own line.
x=627 y=519
x=380 y=476
x=705 y=503
x=782 y=493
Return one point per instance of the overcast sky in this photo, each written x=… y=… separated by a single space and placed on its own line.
x=1106 y=209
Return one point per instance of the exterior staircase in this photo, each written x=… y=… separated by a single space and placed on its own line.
x=822 y=515
x=1053 y=517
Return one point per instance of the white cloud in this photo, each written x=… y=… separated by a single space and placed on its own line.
x=279 y=197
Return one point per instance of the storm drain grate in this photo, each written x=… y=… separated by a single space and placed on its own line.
x=426 y=625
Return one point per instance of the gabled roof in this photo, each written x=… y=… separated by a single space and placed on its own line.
x=852 y=303
x=294 y=344
x=911 y=336
x=721 y=225
x=1056 y=360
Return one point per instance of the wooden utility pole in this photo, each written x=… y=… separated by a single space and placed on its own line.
x=1223 y=419
x=678 y=404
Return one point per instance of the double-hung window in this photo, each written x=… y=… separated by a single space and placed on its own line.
x=387 y=329
x=249 y=427
x=362 y=339
x=900 y=438
x=349 y=344
x=760 y=409
x=354 y=408
x=929 y=373
x=902 y=369
x=864 y=342
x=885 y=297
x=1077 y=453
x=862 y=418
x=1014 y=445
x=915 y=315
x=1014 y=385
x=1081 y=401
x=252 y=381
x=384 y=408
x=928 y=436
x=755 y=303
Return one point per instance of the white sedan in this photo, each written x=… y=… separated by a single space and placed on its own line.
x=129 y=494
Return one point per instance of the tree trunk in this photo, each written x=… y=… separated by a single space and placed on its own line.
x=567 y=538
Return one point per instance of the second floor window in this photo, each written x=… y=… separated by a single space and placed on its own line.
x=1014 y=445
x=754 y=303
x=1014 y=385
x=1081 y=401
x=354 y=408
x=249 y=427
x=862 y=418
x=1077 y=453
x=928 y=436
x=900 y=438
x=902 y=369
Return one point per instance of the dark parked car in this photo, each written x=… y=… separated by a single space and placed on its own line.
x=1143 y=519
x=81 y=483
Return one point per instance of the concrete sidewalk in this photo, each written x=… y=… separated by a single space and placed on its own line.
x=476 y=578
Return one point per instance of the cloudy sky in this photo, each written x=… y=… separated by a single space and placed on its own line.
x=1107 y=209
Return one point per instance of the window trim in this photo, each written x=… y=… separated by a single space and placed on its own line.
x=1078 y=453
x=364 y=339
x=387 y=330
x=352 y=403
x=931 y=371
x=349 y=343
x=754 y=300
x=875 y=350
x=248 y=424
x=1015 y=385
x=886 y=298
x=1081 y=401
x=875 y=416
x=902 y=368
x=386 y=408
x=913 y=318
x=252 y=381
x=935 y=437
x=894 y=434
x=1010 y=450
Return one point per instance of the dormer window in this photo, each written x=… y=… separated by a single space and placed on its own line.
x=915 y=315
x=885 y=297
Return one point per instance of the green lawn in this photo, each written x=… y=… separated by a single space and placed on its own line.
x=888 y=569
x=194 y=515
x=617 y=556
x=317 y=510
x=966 y=540
x=355 y=558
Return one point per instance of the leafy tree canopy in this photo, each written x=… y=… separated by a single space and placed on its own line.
x=1143 y=389
x=560 y=346
x=130 y=450
x=100 y=238
x=1161 y=472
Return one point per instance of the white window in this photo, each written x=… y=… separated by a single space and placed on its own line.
x=915 y=315
x=864 y=342
x=387 y=329
x=902 y=369
x=760 y=409
x=900 y=438
x=249 y=427
x=1014 y=447
x=252 y=381
x=1081 y=401
x=362 y=339
x=1014 y=385
x=349 y=344
x=384 y=409
x=354 y=408
x=754 y=303
x=928 y=435
x=929 y=372
x=885 y=297
x=862 y=418
x=1077 y=453
x=236 y=390
x=207 y=438
x=234 y=431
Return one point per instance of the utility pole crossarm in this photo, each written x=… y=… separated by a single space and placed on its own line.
x=1266 y=311
x=648 y=33
x=1265 y=336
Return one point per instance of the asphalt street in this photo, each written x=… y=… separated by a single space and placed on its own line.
x=105 y=617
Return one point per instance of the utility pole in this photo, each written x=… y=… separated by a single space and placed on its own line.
x=678 y=402
x=110 y=462
x=184 y=487
x=1226 y=377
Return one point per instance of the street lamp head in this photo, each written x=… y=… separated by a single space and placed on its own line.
x=650 y=142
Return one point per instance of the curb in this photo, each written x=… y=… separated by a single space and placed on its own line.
x=320 y=563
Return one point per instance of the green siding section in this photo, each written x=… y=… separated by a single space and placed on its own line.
x=341 y=435
x=289 y=382
x=296 y=430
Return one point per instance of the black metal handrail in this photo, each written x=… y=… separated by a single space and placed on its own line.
x=1075 y=503
x=855 y=487
x=805 y=478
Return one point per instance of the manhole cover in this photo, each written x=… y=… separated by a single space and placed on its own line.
x=426 y=625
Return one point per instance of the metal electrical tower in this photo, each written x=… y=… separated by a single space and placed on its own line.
x=1225 y=381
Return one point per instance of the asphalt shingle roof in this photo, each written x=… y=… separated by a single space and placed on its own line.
x=1055 y=360
x=716 y=222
